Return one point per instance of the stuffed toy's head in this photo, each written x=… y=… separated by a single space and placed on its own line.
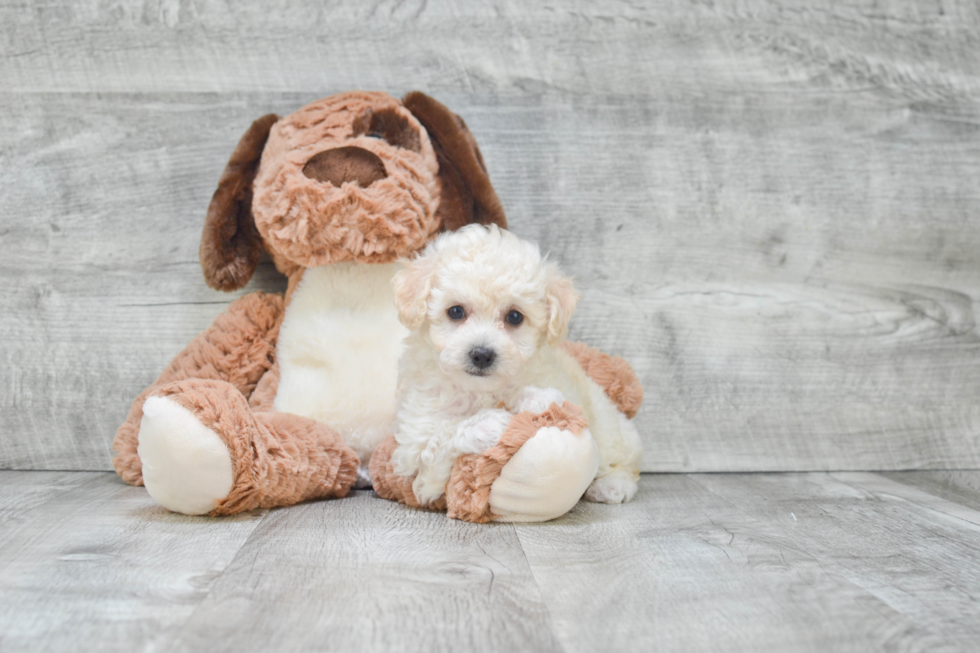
x=358 y=176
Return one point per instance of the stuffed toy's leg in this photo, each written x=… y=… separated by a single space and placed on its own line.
x=538 y=471
x=239 y=348
x=199 y=448
x=204 y=451
x=542 y=464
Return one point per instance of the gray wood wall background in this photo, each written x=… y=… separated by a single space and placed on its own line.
x=771 y=208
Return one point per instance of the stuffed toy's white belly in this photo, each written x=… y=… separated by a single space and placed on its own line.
x=338 y=352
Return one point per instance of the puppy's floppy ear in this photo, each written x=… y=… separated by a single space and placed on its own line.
x=561 y=297
x=412 y=285
x=467 y=195
x=231 y=245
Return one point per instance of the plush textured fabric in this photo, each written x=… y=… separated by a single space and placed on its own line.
x=264 y=395
x=313 y=222
x=277 y=459
x=231 y=245
x=467 y=196
x=390 y=125
x=612 y=373
x=187 y=467
x=338 y=352
x=546 y=477
x=431 y=176
x=468 y=490
x=239 y=347
x=389 y=485
x=342 y=165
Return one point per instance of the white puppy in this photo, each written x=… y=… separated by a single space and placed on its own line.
x=487 y=312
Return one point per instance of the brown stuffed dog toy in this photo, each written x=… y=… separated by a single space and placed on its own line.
x=285 y=399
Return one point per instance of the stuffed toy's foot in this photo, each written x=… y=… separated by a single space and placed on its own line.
x=203 y=451
x=538 y=470
x=186 y=466
x=239 y=347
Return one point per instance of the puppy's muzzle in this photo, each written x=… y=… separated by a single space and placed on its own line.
x=343 y=164
x=482 y=359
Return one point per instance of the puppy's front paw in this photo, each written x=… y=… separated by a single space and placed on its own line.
x=482 y=431
x=427 y=490
x=615 y=487
x=537 y=400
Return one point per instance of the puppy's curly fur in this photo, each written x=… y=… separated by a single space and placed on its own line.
x=487 y=314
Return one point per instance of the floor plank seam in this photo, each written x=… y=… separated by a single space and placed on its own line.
x=537 y=584
x=882 y=600
x=172 y=633
x=880 y=494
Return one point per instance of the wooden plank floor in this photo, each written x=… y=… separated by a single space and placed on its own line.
x=724 y=562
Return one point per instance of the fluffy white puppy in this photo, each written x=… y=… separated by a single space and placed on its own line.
x=486 y=313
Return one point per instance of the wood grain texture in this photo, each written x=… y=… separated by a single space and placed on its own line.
x=770 y=208
x=915 y=552
x=574 y=46
x=103 y=284
x=747 y=562
x=364 y=574
x=683 y=569
x=22 y=492
x=962 y=487
x=103 y=567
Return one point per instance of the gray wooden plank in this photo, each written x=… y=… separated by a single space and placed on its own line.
x=915 y=552
x=102 y=281
x=888 y=489
x=21 y=492
x=103 y=568
x=363 y=574
x=682 y=569
x=962 y=487
x=573 y=45
x=770 y=209
x=700 y=562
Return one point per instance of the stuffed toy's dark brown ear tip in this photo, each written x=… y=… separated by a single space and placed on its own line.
x=467 y=194
x=231 y=245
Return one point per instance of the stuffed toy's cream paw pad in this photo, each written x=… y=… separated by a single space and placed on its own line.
x=186 y=466
x=616 y=487
x=545 y=477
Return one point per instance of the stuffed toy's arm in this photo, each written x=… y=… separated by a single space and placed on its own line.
x=612 y=373
x=239 y=347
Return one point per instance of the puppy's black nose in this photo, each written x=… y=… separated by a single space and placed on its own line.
x=482 y=357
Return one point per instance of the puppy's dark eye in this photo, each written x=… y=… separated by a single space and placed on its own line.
x=456 y=312
x=514 y=318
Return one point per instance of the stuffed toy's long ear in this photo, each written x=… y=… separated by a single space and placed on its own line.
x=231 y=245
x=467 y=195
